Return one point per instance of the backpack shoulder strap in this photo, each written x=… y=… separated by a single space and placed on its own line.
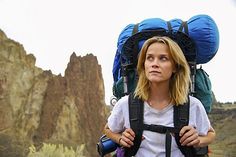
x=181 y=114
x=136 y=109
x=181 y=119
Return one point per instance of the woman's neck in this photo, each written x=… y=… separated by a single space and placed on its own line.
x=159 y=96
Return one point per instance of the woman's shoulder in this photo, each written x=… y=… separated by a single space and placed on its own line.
x=195 y=103
x=198 y=116
x=122 y=102
x=194 y=100
x=124 y=99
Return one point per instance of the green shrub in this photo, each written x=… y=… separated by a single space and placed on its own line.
x=52 y=150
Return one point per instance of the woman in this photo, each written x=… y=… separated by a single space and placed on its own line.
x=164 y=80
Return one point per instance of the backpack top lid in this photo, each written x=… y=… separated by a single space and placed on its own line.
x=202 y=29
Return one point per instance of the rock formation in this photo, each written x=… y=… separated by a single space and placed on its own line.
x=37 y=106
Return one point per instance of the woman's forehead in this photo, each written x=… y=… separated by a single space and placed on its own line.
x=155 y=48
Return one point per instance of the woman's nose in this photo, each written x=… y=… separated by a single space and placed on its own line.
x=155 y=64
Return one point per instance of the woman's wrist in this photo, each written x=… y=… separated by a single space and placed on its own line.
x=119 y=140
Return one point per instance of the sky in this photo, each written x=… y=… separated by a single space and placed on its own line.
x=52 y=30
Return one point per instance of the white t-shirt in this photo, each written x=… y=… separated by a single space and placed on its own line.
x=154 y=143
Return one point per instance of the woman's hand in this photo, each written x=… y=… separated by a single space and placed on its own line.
x=189 y=136
x=127 y=138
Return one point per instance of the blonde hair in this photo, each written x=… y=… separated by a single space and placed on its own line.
x=179 y=81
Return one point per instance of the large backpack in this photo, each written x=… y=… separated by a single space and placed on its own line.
x=199 y=40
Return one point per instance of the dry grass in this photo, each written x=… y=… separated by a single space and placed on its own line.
x=224 y=123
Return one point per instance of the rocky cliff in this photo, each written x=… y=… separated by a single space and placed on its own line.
x=37 y=106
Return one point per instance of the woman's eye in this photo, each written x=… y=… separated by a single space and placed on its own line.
x=149 y=58
x=163 y=58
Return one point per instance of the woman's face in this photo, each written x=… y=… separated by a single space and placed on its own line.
x=158 y=64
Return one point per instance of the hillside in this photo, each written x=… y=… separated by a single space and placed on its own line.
x=223 y=118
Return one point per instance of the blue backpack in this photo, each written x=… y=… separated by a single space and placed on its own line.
x=198 y=38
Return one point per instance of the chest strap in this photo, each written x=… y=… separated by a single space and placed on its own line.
x=160 y=128
x=163 y=130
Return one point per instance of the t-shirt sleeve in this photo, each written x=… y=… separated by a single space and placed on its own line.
x=198 y=117
x=116 y=120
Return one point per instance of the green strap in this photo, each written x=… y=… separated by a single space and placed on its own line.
x=184 y=25
x=135 y=29
x=169 y=27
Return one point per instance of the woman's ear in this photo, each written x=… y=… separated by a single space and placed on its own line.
x=175 y=69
